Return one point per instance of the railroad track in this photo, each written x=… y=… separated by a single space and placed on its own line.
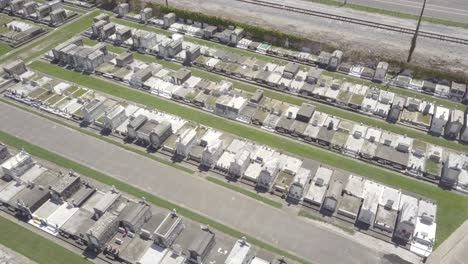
x=357 y=21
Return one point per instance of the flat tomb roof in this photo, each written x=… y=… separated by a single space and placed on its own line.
x=154 y=254
x=167 y=224
x=349 y=206
x=80 y=223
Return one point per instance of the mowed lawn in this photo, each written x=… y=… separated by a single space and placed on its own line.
x=452 y=208
x=439 y=101
x=4 y=48
x=409 y=93
x=355 y=117
x=58 y=36
x=34 y=246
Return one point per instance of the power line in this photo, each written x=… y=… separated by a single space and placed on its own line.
x=415 y=36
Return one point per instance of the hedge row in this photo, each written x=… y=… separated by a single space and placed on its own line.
x=256 y=33
x=293 y=41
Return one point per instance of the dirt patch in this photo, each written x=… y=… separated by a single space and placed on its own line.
x=361 y=44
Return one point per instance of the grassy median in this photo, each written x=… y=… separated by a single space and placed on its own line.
x=335 y=111
x=106 y=179
x=34 y=246
x=199 y=41
x=4 y=48
x=83 y=22
x=355 y=117
x=453 y=209
x=409 y=93
x=58 y=36
x=358 y=118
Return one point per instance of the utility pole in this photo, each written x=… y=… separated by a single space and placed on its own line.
x=415 y=36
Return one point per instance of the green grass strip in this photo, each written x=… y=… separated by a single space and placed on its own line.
x=358 y=118
x=380 y=11
x=101 y=177
x=452 y=208
x=250 y=194
x=418 y=95
x=101 y=137
x=34 y=246
x=111 y=48
x=44 y=44
x=295 y=100
x=76 y=9
x=4 y=48
x=355 y=117
x=440 y=101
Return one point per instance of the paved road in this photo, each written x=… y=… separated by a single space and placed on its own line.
x=307 y=239
x=454 y=250
x=454 y=10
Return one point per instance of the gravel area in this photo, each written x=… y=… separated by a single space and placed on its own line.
x=359 y=43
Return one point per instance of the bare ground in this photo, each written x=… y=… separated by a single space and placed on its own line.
x=361 y=44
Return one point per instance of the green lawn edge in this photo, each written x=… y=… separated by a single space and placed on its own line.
x=400 y=91
x=295 y=100
x=4 y=48
x=452 y=208
x=34 y=246
x=355 y=117
x=440 y=101
x=58 y=36
x=106 y=179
